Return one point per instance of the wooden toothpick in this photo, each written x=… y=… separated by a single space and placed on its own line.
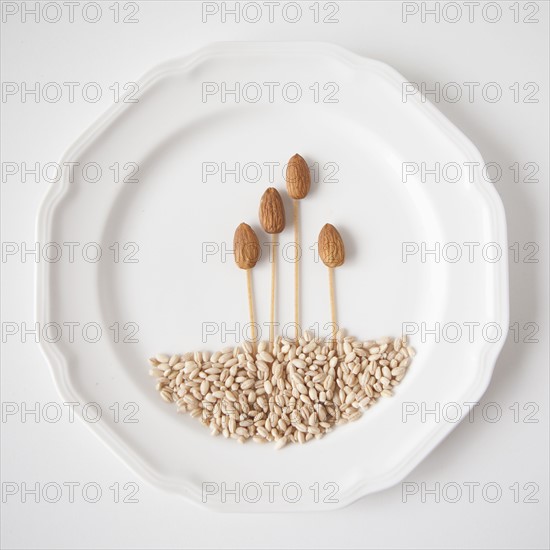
x=274 y=246
x=247 y=253
x=332 y=253
x=332 y=300
x=298 y=183
x=251 y=303
x=296 y=211
x=272 y=219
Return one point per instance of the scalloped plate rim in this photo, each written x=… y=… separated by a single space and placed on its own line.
x=55 y=193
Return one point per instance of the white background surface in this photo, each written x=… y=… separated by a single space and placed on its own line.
x=504 y=452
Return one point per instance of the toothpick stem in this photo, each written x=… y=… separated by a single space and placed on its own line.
x=296 y=205
x=332 y=301
x=251 y=303
x=275 y=244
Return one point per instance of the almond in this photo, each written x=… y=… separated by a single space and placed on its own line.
x=246 y=247
x=298 y=178
x=331 y=246
x=272 y=211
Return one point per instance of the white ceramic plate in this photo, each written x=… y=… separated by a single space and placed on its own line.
x=352 y=121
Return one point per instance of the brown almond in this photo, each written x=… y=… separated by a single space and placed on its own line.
x=298 y=177
x=331 y=246
x=272 y=211
x=246 y=247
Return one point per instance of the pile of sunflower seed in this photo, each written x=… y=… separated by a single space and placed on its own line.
x=292 y=393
